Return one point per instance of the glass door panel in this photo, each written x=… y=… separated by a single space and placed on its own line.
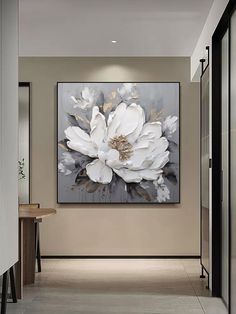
x=233 y=160
x=24 y=143
x=225 y=165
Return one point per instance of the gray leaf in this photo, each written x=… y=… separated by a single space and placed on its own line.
x=169 y=172
x=100 y=100
x=143 y=193
x=63 y=144
x=91 y=186
x=172 y=146
x=72 y=120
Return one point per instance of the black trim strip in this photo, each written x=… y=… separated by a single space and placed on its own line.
x=229 y=307
x=120 y=257
x=216 y=167
x=204 y=70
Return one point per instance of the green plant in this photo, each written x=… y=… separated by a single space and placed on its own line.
x=21 y=165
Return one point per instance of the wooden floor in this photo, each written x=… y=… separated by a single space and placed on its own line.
x=118 y=286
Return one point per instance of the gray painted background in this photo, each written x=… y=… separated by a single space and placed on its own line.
x=161 y=96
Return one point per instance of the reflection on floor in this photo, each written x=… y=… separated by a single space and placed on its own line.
x=118 y=286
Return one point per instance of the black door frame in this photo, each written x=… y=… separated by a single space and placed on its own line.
x=204 y=69
x=222 y=27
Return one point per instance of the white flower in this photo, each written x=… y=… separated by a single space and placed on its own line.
x=128 y=91
x=159 y=181
x=66 y=163
x=62 y=169
x=88 y=99
x=163 y=192
x=126 y=145
x=170 y=125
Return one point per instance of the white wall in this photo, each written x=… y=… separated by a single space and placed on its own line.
x=8 y=134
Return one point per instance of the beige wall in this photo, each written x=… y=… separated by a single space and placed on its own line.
x=113 y=229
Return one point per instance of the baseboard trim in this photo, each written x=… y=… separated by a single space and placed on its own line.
x=120 y=257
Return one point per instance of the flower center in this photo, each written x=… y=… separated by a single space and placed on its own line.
x=121 y=144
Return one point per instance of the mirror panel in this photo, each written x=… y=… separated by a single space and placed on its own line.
x=24 y=143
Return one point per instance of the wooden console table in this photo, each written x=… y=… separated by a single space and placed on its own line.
x=25 y=268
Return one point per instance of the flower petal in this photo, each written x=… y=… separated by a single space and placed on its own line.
x=159 y=181
x=89 y=96
x=67 y=163
x=99 y=172
x=151 y=130
x=128 y=91
x=115 y=119
x=62 y=168
x=126 y=121
x=141 y=158
x=98 y=127
x=112 y=158
x=161 y=145
x=137 y=176
x=163 y=193
x=170 y=125
x=160 y=161
x=149 y=174
x=128 y=175
x=132 y=123
x=87 y=100
x=80 y=141
x=108 y=156
x=162 y=190
x=145 y=152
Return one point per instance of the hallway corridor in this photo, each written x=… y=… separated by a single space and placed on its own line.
x=118 y=286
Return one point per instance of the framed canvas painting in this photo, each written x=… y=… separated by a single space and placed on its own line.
x=118 y=142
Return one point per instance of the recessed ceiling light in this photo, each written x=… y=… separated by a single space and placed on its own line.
x=114 y=41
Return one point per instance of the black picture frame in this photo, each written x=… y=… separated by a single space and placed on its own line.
x=118 y=203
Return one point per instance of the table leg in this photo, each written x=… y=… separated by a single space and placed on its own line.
x=37 y=243
x=13 y=285
x=29 y=255
x=25 y=268
x=4 y=292
x=19 y=265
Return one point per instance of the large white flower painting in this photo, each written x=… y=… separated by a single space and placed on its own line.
x=118 y=142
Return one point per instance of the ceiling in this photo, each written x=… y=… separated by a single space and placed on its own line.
x=87 y=27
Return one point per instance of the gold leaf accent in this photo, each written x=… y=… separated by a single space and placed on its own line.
x=78 y=117
x=113 y=95
x=91 y=186
x=121 y=144
x=63 y=146
x=143 y=193
x=107 y=106
x=154 y=115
